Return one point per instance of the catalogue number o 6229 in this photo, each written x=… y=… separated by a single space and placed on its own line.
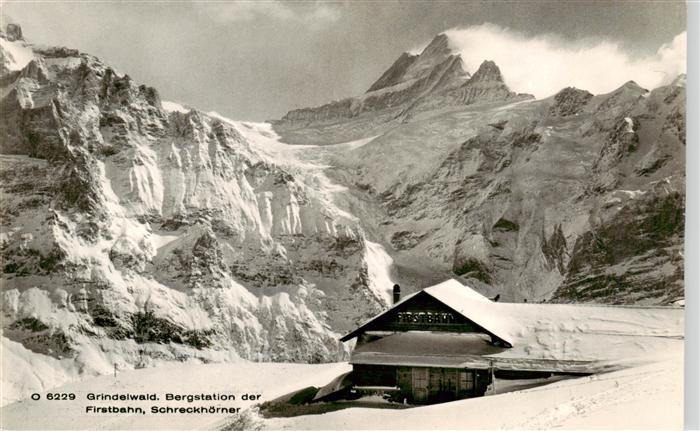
x=60 y=396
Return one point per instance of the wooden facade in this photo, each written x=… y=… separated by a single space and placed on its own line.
x=445 y=364
x=420 y=385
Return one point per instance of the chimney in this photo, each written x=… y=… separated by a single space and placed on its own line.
x=397 y=293
x=13 y=32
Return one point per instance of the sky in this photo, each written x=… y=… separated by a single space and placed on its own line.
x=257 y=60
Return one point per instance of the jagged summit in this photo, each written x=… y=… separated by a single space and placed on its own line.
x=434 y=79
x=629 y=90
x=393 y=75
x=436 y=58
x=438 y=48
x=436 y=53
x=632 y=85
x=487 y=72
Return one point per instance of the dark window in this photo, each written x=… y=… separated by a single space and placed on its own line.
x=466 y=381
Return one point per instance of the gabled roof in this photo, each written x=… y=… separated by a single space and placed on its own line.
x=475 y=307
x=463 y=300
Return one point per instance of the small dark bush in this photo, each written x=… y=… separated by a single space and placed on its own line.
x=10 y=268
x=304 y=396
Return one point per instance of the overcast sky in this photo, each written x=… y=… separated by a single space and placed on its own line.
x=257 y=60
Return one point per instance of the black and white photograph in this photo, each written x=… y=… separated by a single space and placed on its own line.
x=339 y=215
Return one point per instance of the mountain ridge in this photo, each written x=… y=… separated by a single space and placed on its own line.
x=410 y=83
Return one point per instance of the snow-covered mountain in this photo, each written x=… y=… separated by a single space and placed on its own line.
x=133 y=234
x=137 y=231
x=433 y=80
x=576 y=197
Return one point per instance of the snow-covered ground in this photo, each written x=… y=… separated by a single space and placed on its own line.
x=268 y=379
x=16 y=54
x=642 y=397
x=644 y=345
x=645 y=397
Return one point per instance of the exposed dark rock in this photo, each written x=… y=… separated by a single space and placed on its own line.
x=640 y=235
x=29 y=323
x=654 y=160
x=555 y=251
x=506 y=225
x=38 y=337
x=569 y=101
x=148 y=328
x=393 y=75
x=405 y=240
x=472 y=268
x=13 y=32
x=675 y=123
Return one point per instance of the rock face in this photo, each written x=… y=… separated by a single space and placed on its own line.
x=435 y=79
x=414 y=86
x=134 y=235
x=410 y=78
x=569 y=101
x=395 y=73
x=573 y=198
x=485 y=86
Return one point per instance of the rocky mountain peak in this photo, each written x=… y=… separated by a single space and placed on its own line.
x=632 y=85
x=680 y=80
x=629 y=90
x=569 y=101
x=393 y=75
x=437 y=51
x=433 y=60
x=438 y=48
x=487 y=72
x=409 y=81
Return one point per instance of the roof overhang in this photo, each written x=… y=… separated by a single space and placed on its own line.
x=460 y=299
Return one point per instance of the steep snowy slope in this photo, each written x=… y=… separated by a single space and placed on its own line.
x=136 y=231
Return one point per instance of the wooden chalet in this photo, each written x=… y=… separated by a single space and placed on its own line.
x=448 y=342
x=431 y=346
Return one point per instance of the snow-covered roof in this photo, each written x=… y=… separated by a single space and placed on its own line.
x=474 y=306
x=558 y=336
x=465 y=301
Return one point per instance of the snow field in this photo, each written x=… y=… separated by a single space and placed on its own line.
x=644 y=397
x=271 y=380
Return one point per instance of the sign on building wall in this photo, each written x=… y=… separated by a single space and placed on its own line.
x=427 y=317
